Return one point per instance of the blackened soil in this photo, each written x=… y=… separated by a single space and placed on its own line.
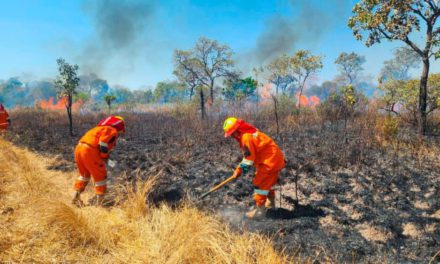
x=358 y=200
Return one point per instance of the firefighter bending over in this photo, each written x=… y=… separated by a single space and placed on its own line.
x=260 y=151
x=92 y=154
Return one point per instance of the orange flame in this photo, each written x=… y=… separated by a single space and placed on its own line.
x=265 y=92
x=60 y=105
x=302 y=100
x=315 y=100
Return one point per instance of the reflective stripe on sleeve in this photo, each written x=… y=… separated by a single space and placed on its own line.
x=255 y=134
x=247 y=162
x=84 y=179
x=106 y=120
x=101 y=183
x=103 y=144
x=261 y=192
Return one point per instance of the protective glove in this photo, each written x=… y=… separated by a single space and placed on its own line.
x=244 y=168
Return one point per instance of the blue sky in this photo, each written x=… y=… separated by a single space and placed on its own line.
x=33 y=33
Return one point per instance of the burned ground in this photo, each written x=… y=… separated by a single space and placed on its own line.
x=360 y=198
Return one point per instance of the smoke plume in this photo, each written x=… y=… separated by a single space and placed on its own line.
x=281 y=35
x=120 y=31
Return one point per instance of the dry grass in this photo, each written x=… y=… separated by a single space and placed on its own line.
x=40 y=226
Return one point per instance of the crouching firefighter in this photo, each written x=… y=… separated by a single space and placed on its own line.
x=5 y=121
x=92 y=154
x=260 y=151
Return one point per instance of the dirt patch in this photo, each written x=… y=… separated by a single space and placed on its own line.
x=411 y=230
x=372 y=233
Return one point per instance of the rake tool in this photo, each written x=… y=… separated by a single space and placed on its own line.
x=218 y=186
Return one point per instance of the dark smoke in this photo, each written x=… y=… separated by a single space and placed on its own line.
x=281 y=35
x=278 y=37
x=120 y=30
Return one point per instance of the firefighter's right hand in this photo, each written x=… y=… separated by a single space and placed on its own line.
x=237 y=172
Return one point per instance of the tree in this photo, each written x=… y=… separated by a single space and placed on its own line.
x=95 y=87
x=322 y=91
x=281 y=74
x=169 y=92
x=377 y=20
x=204 y=64
x=404 y=93
x=143 y=96
x=12 y=91
x=350 y=65
x=239 y=89
x=109 y=98
x=304 y=64
x=187 y=71
x=41 y=90
x=66 y=83
x=123 y=94
x=397 y=68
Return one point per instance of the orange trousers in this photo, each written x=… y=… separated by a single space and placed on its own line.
x=90 y=164
x=263 y=182
x=3 y=125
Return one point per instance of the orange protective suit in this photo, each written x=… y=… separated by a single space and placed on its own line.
x=91 y=154
x=261 y=151
x=4 y=118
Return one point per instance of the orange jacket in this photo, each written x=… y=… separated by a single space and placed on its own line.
x=4 y=118
x=101 y=137
x=261 y=151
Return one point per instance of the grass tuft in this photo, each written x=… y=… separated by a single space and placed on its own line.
x=39 y=225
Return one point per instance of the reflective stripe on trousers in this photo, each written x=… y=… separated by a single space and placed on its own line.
x=84 y=179
x=261 y=192
x=101 y=183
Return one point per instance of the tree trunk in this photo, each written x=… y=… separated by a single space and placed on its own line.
x=191 y=93
x=202 y=103
x=69 y=114
x=421 y=117
x=211 y=90
x=299 y=99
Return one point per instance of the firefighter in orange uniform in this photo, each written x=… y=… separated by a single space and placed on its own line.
x=92 y=154
x=260 y=151
x=5 y=121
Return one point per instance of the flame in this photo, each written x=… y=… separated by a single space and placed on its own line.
x=304 y=101
x=301 y=100
x=315 y=100
x=265 y=92
x=60 y=105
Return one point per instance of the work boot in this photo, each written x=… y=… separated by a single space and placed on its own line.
x=270 y=202
x=98 y=200
x=259 y=212
x=77 y=199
